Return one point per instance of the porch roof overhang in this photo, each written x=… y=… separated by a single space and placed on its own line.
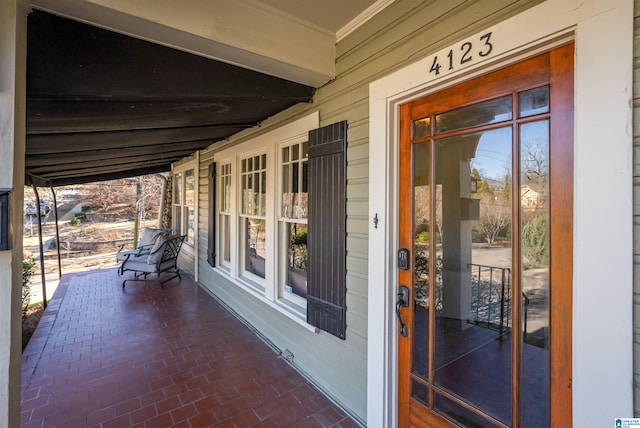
x=102 y=105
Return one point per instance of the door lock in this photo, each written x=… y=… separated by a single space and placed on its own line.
x=403 y=301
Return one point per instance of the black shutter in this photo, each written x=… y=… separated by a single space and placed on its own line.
x=326 y=244
x=211 y=245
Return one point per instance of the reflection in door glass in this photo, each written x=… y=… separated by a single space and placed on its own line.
x=421 y=234
x=535 y=279
x=484 y=113
x=473 y=318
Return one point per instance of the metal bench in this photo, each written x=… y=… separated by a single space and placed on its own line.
x=162 y=257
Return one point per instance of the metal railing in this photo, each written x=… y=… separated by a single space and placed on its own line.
x=491 y=296
x=491 y=293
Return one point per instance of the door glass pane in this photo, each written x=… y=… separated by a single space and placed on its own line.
x=535 y=101
x=534 y=213
x=484 y=113
x=473 y=317
x=422 y=127
x=421 y=234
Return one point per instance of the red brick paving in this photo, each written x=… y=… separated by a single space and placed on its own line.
x=152 y=357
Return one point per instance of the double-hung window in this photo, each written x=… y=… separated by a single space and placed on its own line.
x=184 y=204
x=292 y=222
x=253 y=215
x=281 y=214
x=225 y=215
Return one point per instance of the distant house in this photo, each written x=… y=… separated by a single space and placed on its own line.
x=528 y=197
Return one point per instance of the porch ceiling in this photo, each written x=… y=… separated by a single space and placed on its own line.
x=102 y=105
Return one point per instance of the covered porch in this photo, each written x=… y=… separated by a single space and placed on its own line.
x=152 y=357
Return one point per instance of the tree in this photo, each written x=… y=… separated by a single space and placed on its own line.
x=535 y=241
x=495 y=208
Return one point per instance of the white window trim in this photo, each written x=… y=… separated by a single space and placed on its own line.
x=181 y=168
x=603 y=33
x=252 y=279
x=232 y=200
x=269 y=144
x=281 y=292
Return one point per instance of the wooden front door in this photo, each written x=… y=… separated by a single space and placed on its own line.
x=485 y=259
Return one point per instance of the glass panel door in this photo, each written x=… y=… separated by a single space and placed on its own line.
x=477 y=221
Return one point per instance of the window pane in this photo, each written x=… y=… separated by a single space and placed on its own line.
x=422 y=233
x=535 y=101
x=177 y=188
x=285 y=154
x=189 y=188
x=245 y=197
x=296 y=277
x=483 y=113
x=422 y=127
x=177 y=219
x=535 y=277
x=189 y=213
x=255 y=247
x=263 y=194
x=225 y=241
x=225 y=183
x=287 y=196
x=295 y=152
x=473 y=320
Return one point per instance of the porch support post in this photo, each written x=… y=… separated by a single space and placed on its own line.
x=41 y=246
x=13 y=49
x=55 y=213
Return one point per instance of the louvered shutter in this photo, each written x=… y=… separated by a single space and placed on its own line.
x=211 y=245
x=326 y=244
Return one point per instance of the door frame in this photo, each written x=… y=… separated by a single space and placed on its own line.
x=603 y=36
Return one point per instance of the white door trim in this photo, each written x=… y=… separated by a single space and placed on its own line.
x=603 y=34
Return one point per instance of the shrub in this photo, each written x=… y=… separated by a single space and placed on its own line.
x=535 y=241
x=28 y=269
x=75 y=221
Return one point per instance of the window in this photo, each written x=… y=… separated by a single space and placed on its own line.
x=225 y=215
x=292 y=222
x=253 y=178
x=265 y=199
x=184 y=204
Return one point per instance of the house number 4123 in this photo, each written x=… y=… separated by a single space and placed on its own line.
x=465 y=54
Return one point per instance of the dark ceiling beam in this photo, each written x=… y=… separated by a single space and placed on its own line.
x=46 y=182
x=169 y=150
x=78 y=142
x=75 y=55
x=115 y=162
x=91 y=116
x=105 y=169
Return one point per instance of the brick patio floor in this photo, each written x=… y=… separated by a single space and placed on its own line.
x=153 y=357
